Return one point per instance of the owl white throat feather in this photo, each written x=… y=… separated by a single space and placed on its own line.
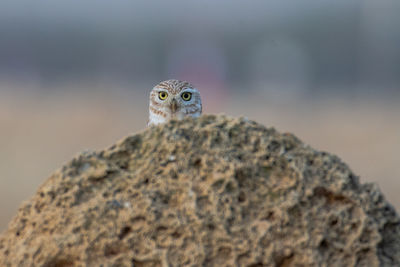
x=173 y=99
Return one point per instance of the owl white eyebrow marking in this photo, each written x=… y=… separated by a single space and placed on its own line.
x=190 y=90
x=158 y=89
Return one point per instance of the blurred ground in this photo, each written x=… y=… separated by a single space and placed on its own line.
x=42 y=130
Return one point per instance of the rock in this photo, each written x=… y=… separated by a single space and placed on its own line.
x=213 y=191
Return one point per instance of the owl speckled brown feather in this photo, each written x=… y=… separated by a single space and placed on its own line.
x=173 y=99
x=174 y=86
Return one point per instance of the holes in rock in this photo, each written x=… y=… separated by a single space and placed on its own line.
x=230 y=221
x=161 y=229
x=232 y=133
x=124 y=232
x=173 y=174
x=197 y=162
x=137 y=222
x=354 y=226
x=116 y=191
x=146 y=263
x=211 y=227
x=202 y=202
x=366 y=236
x=353 y=180
x=60 y=262
x=269 y=216
x=176 y=235
x=256 y=145
x=161 y=198
x=124 y=165
x=229 y=188
x=274 y=146
x=111 y=250
x=323 y=245
x=288 y=146
x=217 y=185
x=242 y=197
x=295 y=212
x=284 y=260
x=242 y=176
x=216 y=140
x=224 y=252
x=245 y=212
x=258 y=264
x=330 y=197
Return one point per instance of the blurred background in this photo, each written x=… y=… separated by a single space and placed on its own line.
x=75 y=75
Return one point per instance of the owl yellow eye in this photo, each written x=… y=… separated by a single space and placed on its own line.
x=186 y=96
x=162 y=95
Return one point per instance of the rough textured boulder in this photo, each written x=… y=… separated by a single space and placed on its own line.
x=215 y=191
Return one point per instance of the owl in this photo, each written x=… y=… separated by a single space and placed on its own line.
x=173 y=99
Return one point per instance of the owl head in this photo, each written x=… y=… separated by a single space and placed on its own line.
x=173 y=99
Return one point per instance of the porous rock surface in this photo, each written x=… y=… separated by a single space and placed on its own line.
x=213 y=191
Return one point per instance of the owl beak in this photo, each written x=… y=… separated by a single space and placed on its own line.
x=174 y=105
